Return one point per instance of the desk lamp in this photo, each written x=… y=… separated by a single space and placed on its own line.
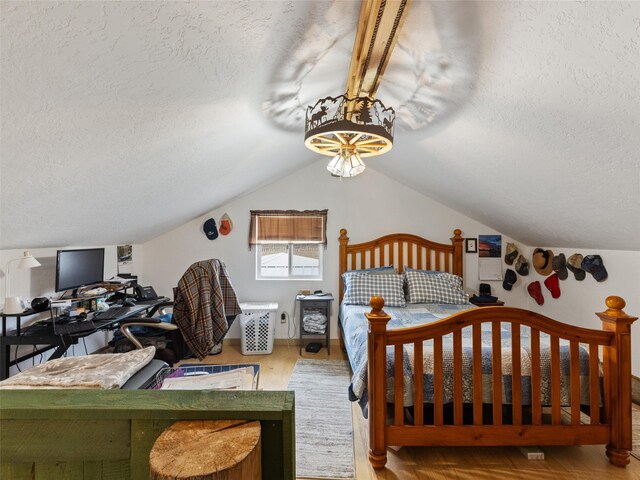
x=13 y=305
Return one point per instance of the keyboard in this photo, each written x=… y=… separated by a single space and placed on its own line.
x=117 y=312
x=74 y=327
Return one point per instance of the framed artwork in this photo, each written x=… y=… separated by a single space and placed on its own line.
x=490 y=246
x=125 y=258
x=489 y=259
x=471 y=245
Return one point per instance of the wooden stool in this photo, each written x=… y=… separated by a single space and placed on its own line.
x=208 y=449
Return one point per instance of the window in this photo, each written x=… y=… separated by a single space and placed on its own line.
x=289 y=243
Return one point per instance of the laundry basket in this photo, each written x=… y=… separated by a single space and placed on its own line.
x=257 y=327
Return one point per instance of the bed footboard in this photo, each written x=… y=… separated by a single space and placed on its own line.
x=593 y=408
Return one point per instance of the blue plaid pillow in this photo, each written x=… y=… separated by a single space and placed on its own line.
x=435 y=288
x=360 y=287
x=389 y=269
x=430 y=272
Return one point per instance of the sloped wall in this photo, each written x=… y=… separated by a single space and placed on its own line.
x=368 y=206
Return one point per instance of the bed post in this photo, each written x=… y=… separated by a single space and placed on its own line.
x=377 y=382
x=344 y=240
x=457 y=240
x=617 y=367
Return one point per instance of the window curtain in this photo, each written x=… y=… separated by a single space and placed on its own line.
x=288 y=226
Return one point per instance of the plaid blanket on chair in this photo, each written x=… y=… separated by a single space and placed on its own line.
x=203 y=300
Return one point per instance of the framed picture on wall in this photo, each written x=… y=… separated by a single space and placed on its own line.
x=125 y=258
x=471 y=245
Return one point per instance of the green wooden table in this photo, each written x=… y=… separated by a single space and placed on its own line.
x=108 y=434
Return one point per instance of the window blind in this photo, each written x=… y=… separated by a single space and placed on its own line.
x=288 y=226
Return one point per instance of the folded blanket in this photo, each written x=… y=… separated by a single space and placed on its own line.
x=101 y=371
x=314 y=323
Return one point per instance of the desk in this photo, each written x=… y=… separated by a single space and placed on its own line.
x=42 y=334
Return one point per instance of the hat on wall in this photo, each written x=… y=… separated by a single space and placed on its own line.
x=210 y=229
x=510 y=278
x=559 y=263
x=553 y=285
x=542 y=261
x=226 y=225
x=593 y=264
x=511 y=254
x=574 y=264
x=522 y=266
x=535 y=290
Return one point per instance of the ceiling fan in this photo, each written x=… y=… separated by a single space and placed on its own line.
x=355 y=125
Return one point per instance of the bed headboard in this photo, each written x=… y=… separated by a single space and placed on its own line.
x=400 y=249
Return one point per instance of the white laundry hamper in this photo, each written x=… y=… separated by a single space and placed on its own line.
x=257 y=327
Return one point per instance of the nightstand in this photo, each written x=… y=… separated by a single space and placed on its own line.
x=310 y=304
x=497 y=303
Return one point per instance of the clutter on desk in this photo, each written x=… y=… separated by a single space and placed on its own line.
x=102 y=305
x=118 y=280
x=95 y=291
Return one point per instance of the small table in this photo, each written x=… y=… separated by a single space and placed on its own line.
x=497 y=303
x=315 y=304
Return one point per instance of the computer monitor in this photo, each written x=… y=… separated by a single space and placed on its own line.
x=78 y=268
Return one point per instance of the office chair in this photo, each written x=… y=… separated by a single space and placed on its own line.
x=204 y=307
x=155 y=329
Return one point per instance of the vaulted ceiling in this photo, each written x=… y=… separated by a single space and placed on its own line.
x=122 y=120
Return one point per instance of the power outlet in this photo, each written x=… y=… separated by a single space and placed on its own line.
x=283 y=317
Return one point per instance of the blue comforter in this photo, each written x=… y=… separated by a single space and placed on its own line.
x=354 y=325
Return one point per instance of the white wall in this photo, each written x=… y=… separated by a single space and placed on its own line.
x=579 y=301
x=362 y=206
x=40 y=282
x=368 y=206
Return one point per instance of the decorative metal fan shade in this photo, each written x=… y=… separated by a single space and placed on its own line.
x=334 y=122
x=349 y=128
x=354 y=125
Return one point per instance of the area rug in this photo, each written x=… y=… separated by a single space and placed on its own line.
x=324 y=429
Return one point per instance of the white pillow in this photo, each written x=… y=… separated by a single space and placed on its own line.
x=360 y=287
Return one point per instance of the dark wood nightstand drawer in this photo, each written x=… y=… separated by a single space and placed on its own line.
x=314 y=303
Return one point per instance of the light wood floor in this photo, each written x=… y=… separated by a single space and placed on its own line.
x=468 y=463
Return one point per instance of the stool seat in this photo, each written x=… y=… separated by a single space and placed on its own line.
x=208 y=449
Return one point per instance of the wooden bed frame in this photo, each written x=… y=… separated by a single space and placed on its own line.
x=495 y=424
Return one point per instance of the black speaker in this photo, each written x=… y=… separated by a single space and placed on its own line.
x=40 y=304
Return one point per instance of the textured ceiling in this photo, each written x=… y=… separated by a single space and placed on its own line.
x=122 y=120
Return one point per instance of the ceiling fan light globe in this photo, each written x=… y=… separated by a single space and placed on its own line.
x=353 y=166
x=336 y=165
